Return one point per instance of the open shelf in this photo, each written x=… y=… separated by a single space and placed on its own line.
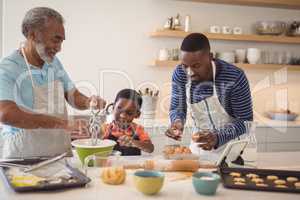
x=290 y=4
x=173 y=63
x=230 y=37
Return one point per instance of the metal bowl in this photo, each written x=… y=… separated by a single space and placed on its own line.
x=270 y=27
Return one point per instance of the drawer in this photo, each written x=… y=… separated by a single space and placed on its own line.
x=276 y=135
x=283 y=146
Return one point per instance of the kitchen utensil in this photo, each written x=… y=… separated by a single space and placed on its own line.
x=98 y=117
x=45 y=163
x=148 y=182
x=270 y=27
x=8 y=164
x=228 y=180
x=205 y=183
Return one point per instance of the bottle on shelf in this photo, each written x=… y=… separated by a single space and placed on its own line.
x=187 y=23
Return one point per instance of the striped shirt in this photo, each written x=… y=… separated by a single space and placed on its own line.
x=233 y=93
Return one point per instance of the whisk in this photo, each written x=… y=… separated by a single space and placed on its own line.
x=98 y=117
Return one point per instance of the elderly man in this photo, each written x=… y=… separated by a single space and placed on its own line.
x=33 y=89
x=218 y=94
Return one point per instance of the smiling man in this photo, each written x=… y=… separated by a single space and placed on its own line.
x=33 y=89
x=218 y=94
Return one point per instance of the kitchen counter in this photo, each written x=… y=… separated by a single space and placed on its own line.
x=171 y=190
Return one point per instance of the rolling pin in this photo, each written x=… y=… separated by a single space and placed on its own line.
x=170 y=165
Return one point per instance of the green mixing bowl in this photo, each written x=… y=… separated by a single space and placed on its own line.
x=85 y=148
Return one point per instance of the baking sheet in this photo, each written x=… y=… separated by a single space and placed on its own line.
x=68 y=178
x=262 y=173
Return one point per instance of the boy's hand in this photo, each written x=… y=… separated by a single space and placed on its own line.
x=125 y=141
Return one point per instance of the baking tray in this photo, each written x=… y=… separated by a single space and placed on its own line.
x=79 y=179
x=228 y=182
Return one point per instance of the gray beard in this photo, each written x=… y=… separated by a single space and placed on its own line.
x=40 y=49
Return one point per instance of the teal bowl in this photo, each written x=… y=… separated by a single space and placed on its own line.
x=206 y=183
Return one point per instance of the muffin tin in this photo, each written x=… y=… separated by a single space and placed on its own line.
x=260 y=179
x=75 y=179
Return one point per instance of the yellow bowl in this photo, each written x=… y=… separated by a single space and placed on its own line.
x=148 y=182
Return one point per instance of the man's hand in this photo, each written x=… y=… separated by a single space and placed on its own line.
x=97 y=102
x=207 y=139
x=176 y=130
x=77 y=128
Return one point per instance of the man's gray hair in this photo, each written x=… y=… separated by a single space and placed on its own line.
x=37 y=18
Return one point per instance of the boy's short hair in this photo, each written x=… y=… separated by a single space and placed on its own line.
x=131 y=95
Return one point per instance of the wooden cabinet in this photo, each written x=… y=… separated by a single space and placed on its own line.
x=290 y=4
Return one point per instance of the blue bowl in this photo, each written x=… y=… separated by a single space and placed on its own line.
x=206 y=183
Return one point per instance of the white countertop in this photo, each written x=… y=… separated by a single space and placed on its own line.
x=171 y=190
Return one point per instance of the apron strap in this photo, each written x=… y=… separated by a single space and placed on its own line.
x=214 y=78
x=28 y=65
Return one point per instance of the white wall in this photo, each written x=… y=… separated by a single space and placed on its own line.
x=113 y=35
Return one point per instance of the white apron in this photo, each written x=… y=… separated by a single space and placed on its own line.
x=47 y=99
x=208 y=114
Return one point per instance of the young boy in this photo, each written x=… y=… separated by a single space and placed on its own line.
x=131 y=138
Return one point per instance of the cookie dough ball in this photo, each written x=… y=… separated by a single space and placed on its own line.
x=292 y=179
x=297 y=185
x=235 y=174
x=239 y=183
x=281 y=186
x=257 y=180
x=272 y=178
x=261 y=185
x=280 y=182
x=187 y=150
x=238 y=179
x=252 y=176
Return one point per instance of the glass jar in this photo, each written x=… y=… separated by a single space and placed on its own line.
x=250 y=152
